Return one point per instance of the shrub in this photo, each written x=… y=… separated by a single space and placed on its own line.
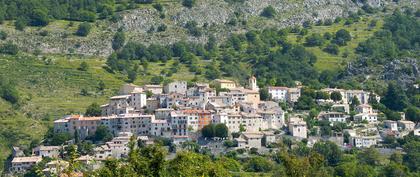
x=118 y=40
x=188 y=3
x=158 y=7
x=9 y=48
x=20 y=24
x=8 y=92
x=314 y=40
x=342 y=37
x=332 y=49
x=269 y=12
x=83 y=66
x=161 y=28
x=3 y=35
x=43 y=33
x=39 y=18
x=84 y=29
x=328 y=22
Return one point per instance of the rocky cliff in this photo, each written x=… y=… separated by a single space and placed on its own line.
x=218 y=18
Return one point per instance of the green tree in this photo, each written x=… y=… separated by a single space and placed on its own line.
x=8 y=91
x=188 y=3
x=330 y=151
x=93 y=110
x=314 y=40
x=102 y=134
x=336 y=96
x=118 y=40
x=369 y=156
x=396 y=158
x=9 y=48
x=395 y=170
x=354 y=102
x=258 y=164
x=413 y=114
x=295 y=166
x=229 y=164
x=132 y=76
x=305 y=103
x=101 y=86
x=209 y=131
x=39 y=18
x=84 y=29
x=332 y=49
x=395 y=98
x=20 y=24
x=412 y=156
x=264 y=95
x=269 y=12
x=57 y=139
x=221 y=130
x=342 y=36
x=3 y=35
x=83 y=66
x=193 y=164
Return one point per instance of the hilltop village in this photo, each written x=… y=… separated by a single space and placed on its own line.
x=219 y=116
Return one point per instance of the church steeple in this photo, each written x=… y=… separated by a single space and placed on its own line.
x=252 y=83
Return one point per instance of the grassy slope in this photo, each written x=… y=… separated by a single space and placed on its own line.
x=360 y=31
x=50 y=87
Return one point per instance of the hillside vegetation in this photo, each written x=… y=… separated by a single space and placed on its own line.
x=58 y=64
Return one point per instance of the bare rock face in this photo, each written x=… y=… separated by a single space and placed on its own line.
x=211 y=16
x=403 y=70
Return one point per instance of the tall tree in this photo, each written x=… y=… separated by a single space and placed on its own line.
x=221 y=130
x=336 y=96
x=102 y=133
x=413 y=114
x=118 y=40
x=93 y=110
x=395 y=98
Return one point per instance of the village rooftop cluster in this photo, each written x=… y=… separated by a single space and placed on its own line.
x=179 y=112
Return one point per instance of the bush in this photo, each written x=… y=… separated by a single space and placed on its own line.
x=39 y=18
x=188 y=3
x=118 y=40
x=43 y=33
x=93 y=110
x=327 y=36
x=342 y=37
x=8 y=92
x=269 y=12
x=86 y=16
x=158 y=7
x=83 y=66
x=230 y=143
x=332 y=49
x=161 y=28
x=9 y=48
x=20 y=24
x=307 y=24
x=193 y=29
x=84 y=29
x=259 y=164
x=328 y=22
x=314 y=40
x=3 y=35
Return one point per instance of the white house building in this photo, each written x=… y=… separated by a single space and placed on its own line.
x=250 y=140
x=297 y=127
x=278 y=93
x=47 y=151
x=21 y=164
